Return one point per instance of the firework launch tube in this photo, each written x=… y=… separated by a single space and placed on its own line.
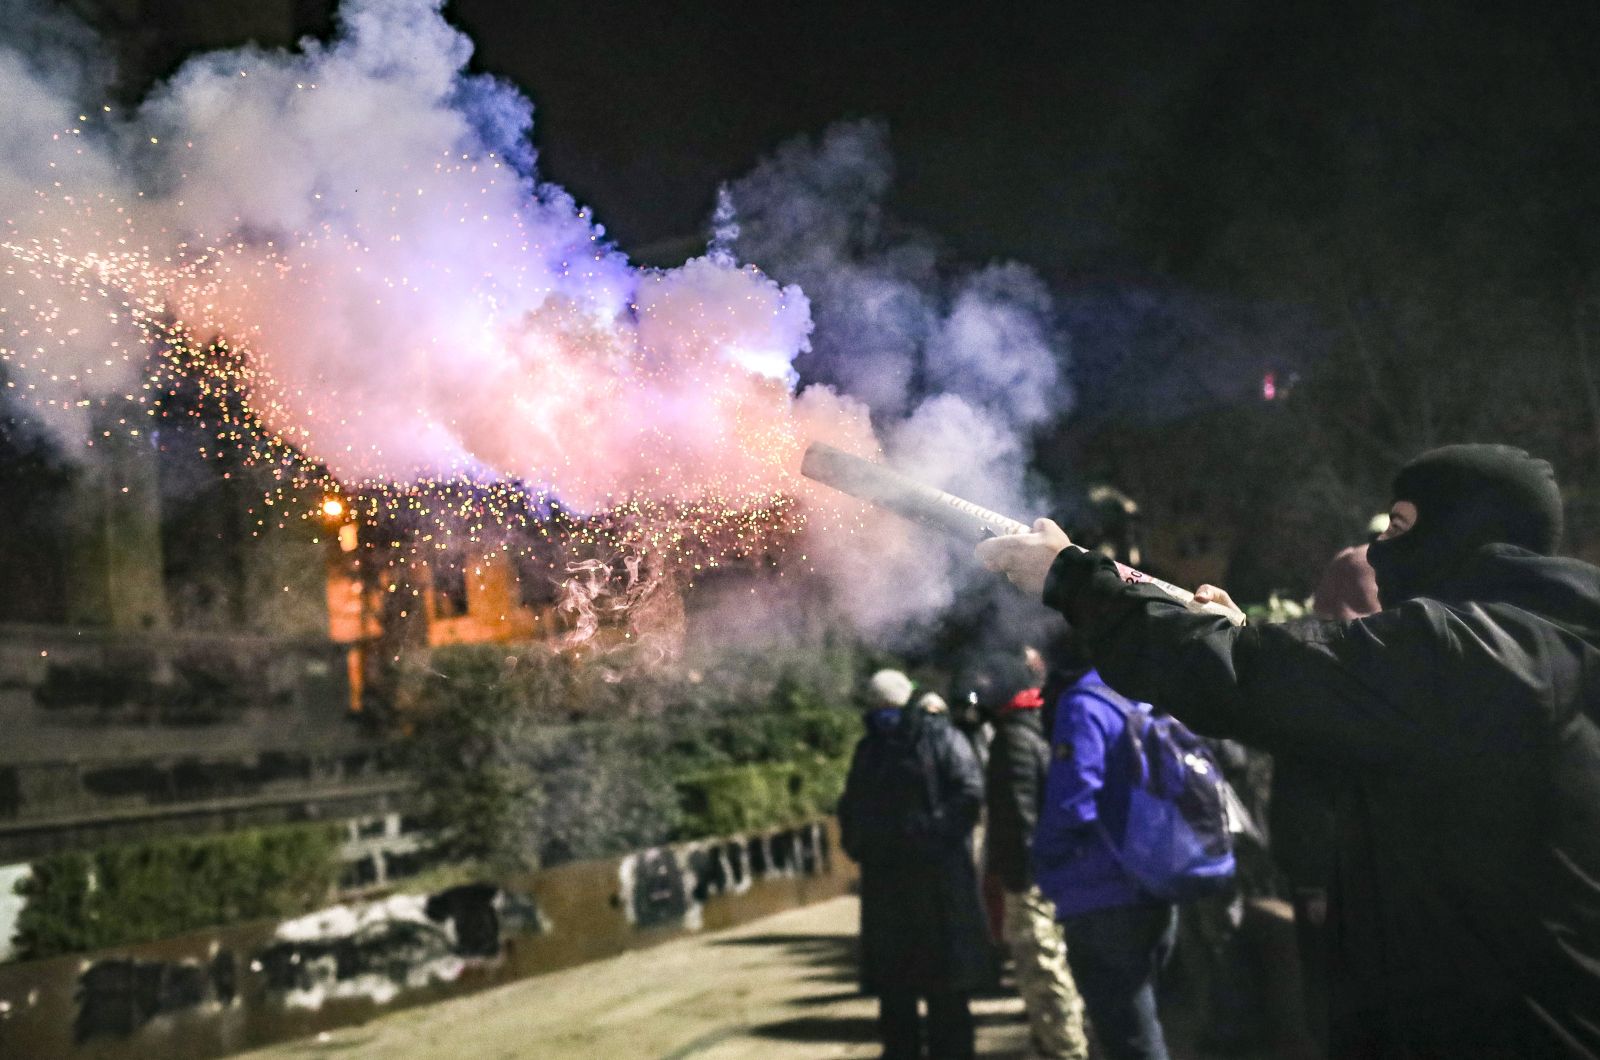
x=886 y=488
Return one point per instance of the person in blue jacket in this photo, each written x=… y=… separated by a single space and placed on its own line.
x=1118 y=937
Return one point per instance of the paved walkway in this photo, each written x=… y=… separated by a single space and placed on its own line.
x=782 y=988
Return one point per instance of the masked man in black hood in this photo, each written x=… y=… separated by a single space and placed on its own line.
x=1464 y=723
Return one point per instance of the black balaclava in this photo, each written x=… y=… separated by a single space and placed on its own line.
x=1467 y=496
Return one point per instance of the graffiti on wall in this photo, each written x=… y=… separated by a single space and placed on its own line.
x=668 y=886
x=376 y=950
x=373 y=950
x=120 y=995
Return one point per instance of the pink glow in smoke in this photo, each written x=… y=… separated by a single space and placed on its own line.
x=359 y=221
x=407 y=305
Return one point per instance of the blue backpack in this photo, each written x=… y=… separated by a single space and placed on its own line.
x=1173 y=837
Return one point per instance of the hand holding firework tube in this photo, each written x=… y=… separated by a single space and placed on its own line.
x=1024 y=554
x=1026 y=559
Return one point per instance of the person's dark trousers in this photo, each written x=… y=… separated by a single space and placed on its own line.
x=950 y=1027
x=1115 y=955
x=898 y=1026
x=1311 y=935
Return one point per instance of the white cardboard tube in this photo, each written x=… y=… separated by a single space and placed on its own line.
x=886 y=488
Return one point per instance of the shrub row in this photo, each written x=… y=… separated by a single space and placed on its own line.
x=518 y=770
x=523 y=758
x=142 y=891
x=749 y=798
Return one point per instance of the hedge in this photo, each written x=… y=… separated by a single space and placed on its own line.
x=530 y=758
x=524 y=758
x=144 y=891
x=749 y=798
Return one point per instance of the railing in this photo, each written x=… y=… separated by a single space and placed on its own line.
x=117 y=735
x=86 y=678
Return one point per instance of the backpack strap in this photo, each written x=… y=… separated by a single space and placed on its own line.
x=1134 y=722
x=1111 y=698
x=1131 y=716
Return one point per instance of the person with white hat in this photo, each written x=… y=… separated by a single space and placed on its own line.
x=909 y=806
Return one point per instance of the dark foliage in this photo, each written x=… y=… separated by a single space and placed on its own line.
x=528 y=757
x=144 y=891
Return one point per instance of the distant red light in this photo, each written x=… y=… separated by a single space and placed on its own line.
x=1269 y=386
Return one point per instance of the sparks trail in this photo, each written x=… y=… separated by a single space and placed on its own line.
x=338 y=267
x=612 y=560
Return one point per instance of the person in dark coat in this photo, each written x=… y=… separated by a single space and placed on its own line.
x=1465 y=720
x=909 y=806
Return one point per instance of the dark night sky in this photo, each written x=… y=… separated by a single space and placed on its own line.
x=642 y=109
x=1400 y=198
x=1083 y=138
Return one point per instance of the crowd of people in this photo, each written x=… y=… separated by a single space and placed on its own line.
x=1032 y=773
x=1435 y=809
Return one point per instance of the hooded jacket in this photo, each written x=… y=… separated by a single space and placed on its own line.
x=910 y=802
x=1465 y=904
x=1300 y=808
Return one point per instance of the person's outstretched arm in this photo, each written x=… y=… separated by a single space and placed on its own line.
x=1357 y=691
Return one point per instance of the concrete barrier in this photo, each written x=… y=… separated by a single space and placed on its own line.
x=226 y=990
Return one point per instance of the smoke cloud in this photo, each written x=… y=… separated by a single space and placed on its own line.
x=64 y=349
x=957 y=367
x=363 y=222
x=362 y=218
